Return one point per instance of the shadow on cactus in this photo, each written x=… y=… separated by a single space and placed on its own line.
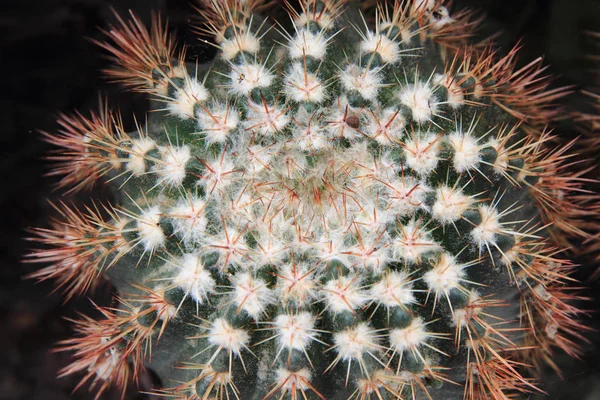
x=351 y=204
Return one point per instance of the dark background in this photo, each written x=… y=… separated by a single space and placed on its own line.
x=47 y=65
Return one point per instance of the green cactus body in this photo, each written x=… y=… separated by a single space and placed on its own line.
x=336 y=210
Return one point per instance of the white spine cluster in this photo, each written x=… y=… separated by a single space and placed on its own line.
x=344 y=294
x=171 y=168
x=388 y=49
x=231 y=246
x=186 y=98
x=251 y=294
x=308 y=44
x=194 y=279
x=217 y=121
x=407 y=195
x=296 y=283
x=456 y=97
x=136 y=162
x=409 y=338
x=421 y=152
x=356 y=343
x=225 y=336
x=303 y=85
x=485 y=233
x=293 y=381
x=309 y=131
x=420 y=99
x=365 y=81
x=446 y=275
x=440 y=18
x=245 y=42
x=463 y=317
x=394 y=289
x=386 y=127
x=188 y=219
x=450 y=204
x=295 y=331
x=149 y=231
x=248 y=76
x=466 y=151
x=412 y=242
x=266 y=119
x=106 y=366
x=218 y=174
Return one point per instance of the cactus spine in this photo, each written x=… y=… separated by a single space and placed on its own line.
x=346 y=205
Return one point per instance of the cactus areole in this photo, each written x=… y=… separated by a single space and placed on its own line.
x=355 y=203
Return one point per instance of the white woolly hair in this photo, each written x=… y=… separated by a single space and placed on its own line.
x=421 y=152
x=136 y=162
x=150 y=232
x=171 y=168
x=421 y=100
x=393 y=289
x=466 y=151
x=194 y=279
x=295 y=331
x=217 y=121
x=408 y=338
x=248 y=76
x=446 y=275
x=186 y=98
x=366 y=81
x=251 y=294
x=308 y=44
x=387 y=48
x=303 y=86
x=344 y=294
x=450 y=204
x=245 y=41
x=222 y=334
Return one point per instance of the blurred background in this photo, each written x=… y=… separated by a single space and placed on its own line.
x=48 y=65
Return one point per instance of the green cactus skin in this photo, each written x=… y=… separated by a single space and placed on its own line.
x=345 y=205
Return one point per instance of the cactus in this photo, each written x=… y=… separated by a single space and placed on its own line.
x=346 y=204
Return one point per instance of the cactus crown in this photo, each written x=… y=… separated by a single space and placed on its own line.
x=344 y=205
